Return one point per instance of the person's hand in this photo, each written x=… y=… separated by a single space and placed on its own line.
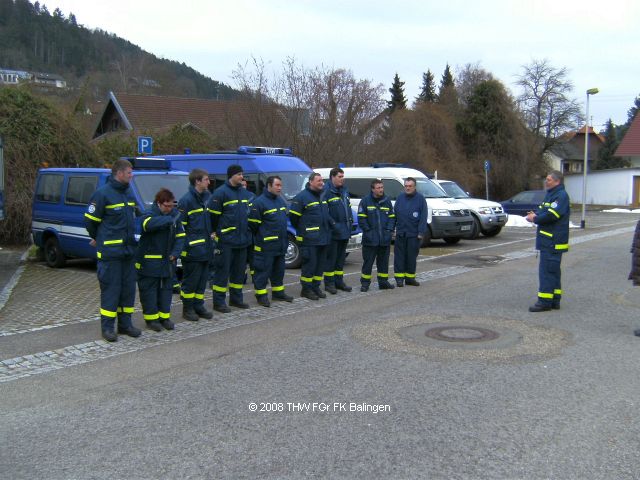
x=92 y=242
x=530 y=217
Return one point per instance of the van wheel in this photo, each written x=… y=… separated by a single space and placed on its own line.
x=491 y=232
x=451 y=240
x=53 y=254
x=475 y=229
x=426 y=240
x=293 y=257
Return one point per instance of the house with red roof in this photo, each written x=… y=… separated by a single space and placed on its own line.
x=629 y=147
x=567 y=156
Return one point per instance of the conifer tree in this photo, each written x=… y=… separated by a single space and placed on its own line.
x=398 y=99
x=428 y=90
x=606 y=158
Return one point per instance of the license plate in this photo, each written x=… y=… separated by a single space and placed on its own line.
x=464 y=228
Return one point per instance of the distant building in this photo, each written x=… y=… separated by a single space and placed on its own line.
x=629 y=148
x=49 y=79
x=567 y=156
x=13 y=77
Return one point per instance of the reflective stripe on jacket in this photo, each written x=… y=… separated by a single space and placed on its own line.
x=377 y=220
x=268 y=222
x=195 y=219
x=229 y=209
x=309 y=215
x=552 y=219
x=162 y=237
x=340 y=210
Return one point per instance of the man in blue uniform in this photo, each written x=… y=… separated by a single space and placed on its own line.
x=337 y=197
x=377 y=220
x=310 y=217
x=198 y=247
x=160 y=245
x=268 y=221
x=229 y=209
x=411 y=226
x=110 y=221
x=552 y=239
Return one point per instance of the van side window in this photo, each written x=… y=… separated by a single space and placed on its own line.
x=80 y=189
x=49 y=188
x=392 y=188
x=358 y=187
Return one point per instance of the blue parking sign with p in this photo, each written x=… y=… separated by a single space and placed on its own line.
x=487 y=165
x=145 y=145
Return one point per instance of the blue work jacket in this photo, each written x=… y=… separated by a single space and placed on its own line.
x=195 y=218
x=162 y=237
x=110 y=220
x=377 y=220
x=340 y=210
x=229 y=209
x=309 y=215
x=411 y=215
x=552 y=219
x=268 y=222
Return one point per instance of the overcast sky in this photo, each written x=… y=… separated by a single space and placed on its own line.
x=597 y=41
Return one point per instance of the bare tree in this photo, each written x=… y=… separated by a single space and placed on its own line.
x=545 y=104
x=469 y=77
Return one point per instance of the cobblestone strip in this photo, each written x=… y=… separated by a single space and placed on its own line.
x=8 y=288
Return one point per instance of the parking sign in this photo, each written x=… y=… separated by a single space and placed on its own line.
x=145 y=145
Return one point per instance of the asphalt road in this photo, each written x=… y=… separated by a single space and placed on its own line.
x=352 y=387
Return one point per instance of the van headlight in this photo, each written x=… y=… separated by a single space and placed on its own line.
x=485 y=211
x=440 y=212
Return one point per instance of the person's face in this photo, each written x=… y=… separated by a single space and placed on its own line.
x=124 y=176
x=317 y=183
x=276 y=188
x=165 y=207
x=338 y=180
x=378 y=190
x=550 y=182
x=202 y=184
x=409 y=187
x=236 y=179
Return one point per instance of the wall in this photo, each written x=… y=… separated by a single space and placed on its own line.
x=607 y=187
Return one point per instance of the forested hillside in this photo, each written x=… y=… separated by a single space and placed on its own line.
x=34 y=39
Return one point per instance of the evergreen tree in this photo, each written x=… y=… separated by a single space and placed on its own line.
x=447 y=93
x=428 y=90
x=631 y=113
x=398 y=99
x=606 y=158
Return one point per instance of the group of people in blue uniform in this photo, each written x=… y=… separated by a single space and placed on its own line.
x=212 y=234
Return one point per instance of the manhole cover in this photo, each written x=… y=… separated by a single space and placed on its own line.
x=461 y=334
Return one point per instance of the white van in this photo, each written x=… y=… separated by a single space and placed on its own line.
x=488 y=216
x=448 y=218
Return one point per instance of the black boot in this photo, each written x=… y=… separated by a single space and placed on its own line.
x=412 y=281
x=319 y=292
x=167 y=324
x=203 y=313
x=385 y=285
x=154 y=325
x=344 y=287
x=281 y=297
x=109 y=335
x=539 y=307
x=308 y=293
x=190 y=314
x=263 y=300
x=330 y=288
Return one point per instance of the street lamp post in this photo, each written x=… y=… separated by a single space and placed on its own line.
x=591 y=91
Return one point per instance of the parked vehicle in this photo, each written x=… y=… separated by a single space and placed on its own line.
x=259 y=163
x=524 y=202
x=61 y=197
x=448 y=219
x=488 y=217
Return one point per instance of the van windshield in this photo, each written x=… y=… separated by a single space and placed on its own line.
x=148 y=186
x=292 y=183
x=429 y=189
x=453 y=190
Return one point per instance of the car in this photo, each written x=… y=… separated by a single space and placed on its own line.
x=524 y=202
x=488 y=217
x=448 y=219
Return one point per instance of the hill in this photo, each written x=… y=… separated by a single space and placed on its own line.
x=92 y=61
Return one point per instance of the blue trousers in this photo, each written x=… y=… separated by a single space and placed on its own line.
x=155 y=297
x=313 y=260
x=379 y=254
x=268 y=267
x=230 y=265
x=117 y=292
x=405 y=256
x=550 y=292
x=334 y=267
x=194 y=282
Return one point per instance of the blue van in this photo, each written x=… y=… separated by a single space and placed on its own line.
x=258 y=163
x=62 y=194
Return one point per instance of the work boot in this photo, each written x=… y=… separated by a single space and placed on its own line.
x=412 y=281
x=384 y=285
x=308 y=293
x=636 y=332
x=221 y=307
x=109 y=335
x=399 y=283
x=242 y=305
x=154 y=325
x=130 y=331
x=555 y=305
x=190 y=315
x=539 y=307
x=281 y=297
x=204 y=313
x=263 y=300
x=364 y=288
x=167 y=324
x=331 y=289
x=344 y=287
x=319 y=292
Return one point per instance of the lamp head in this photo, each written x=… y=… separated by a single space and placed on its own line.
x=592 y=91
